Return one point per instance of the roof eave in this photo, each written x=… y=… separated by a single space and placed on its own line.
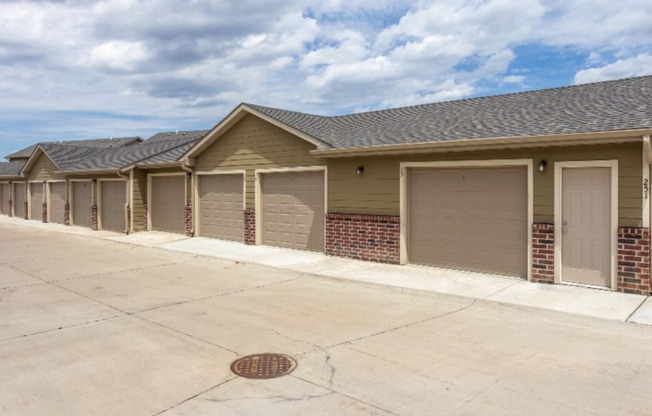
x=616 y=136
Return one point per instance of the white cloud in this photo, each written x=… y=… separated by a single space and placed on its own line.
x=119 y=55
x=622 y=68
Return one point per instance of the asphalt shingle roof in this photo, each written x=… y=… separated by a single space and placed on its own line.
x=179 y=135
x=97 y=143
x=603 y=106
x=11 y=168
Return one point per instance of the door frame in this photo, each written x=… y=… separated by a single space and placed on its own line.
x=100 y=226
x=558 y=195
x=197 y=203
x=491 y=163
x=48 y=197
x=258 y=195
x=149 y=192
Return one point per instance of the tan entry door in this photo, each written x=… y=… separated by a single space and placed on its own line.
x=36 y=201
x=112 y=208
x=57 y=204
x=586 y=226
x=82 y=203
x=5 y=197
x=221 y=207
x=293 y=210
x=469 y=219
x=168 y=202
x=20 y=197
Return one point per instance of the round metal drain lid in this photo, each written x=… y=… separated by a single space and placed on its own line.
x=265 y=365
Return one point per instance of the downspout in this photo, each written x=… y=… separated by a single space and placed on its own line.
x=191 y=174
x=126 y=207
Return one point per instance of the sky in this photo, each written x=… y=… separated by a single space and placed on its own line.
x=79 y=69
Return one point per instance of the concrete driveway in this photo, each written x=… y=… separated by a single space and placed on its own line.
x=96 y=327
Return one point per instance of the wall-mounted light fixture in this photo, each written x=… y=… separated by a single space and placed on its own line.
x=542 y=166
x=359 y=170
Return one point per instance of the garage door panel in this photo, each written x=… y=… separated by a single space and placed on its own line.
x=112 y=207
x=167 y=207
x=57 y=203
x=19 y=199
x=36 y=201
x=222 y=207
x=5 y=196
x=470 y=219
x=293 y=210
x=82 y=203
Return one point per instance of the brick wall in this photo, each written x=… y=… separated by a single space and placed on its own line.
x=633 y=260
x=44 y=212
x=249 y=226
x=363 y=237
x=94 y=225
x=128 y=228
x=26 y=210
x=66 y=214
x=145 y=221
x=11 y=206
x=188 y=221
x=543 y=253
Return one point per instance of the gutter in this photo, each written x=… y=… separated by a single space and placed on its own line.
x=647 y=147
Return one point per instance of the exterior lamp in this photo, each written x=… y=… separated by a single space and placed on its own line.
x=542 y=166
x=359 y=170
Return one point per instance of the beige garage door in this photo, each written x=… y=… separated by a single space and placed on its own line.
x=82 y=203
x=57 y=203
x=5 y=197
x=293 y=210
x=167 y=207
x=221 y=207
x=469 y=219
x=20 y=197
x=36 y=202
x=112 y=208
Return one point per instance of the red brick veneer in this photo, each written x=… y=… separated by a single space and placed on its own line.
x=249 y=226
x=188 y=221
x=44 y=212
x=543 y=253
x=94 y=224
x=363 y=237
x=633 y=260
x=66 y=214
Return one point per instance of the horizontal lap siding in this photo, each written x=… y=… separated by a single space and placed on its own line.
x=140 y=198
x=377 y=190
x=44 y=170
x=256 y=144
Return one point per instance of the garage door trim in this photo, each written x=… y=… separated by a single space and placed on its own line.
x=100 y=182
x=258 y=195
x=149 y=193
x=497 y=163
x=197 y=201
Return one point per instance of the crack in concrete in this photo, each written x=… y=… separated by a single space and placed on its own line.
x=220 y=384
x=276 y=398
x=61 y=328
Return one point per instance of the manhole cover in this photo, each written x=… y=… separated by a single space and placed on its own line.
x=263 y=365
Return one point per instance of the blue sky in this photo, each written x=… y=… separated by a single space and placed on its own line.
x=77 y=69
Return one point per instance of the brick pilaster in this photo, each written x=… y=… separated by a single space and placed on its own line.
x=188 y=221
x=11 y=206
x=44 y=212
x=543 y=253
x=94 y=224
x=26 y=210
x=633 y=260
x=128 y=228
x=145 y=217
x=66 y=214
x=363 y=237
x=249 y=226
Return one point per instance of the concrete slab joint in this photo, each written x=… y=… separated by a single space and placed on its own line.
x=363 y=237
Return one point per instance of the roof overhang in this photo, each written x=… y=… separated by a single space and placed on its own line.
x=236 y=115
x=464 y=145
x=162 y=165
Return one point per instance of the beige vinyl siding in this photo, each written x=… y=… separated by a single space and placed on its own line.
x=376 y=191
x=140 y=199
x=44 y=170
x=256 y=144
